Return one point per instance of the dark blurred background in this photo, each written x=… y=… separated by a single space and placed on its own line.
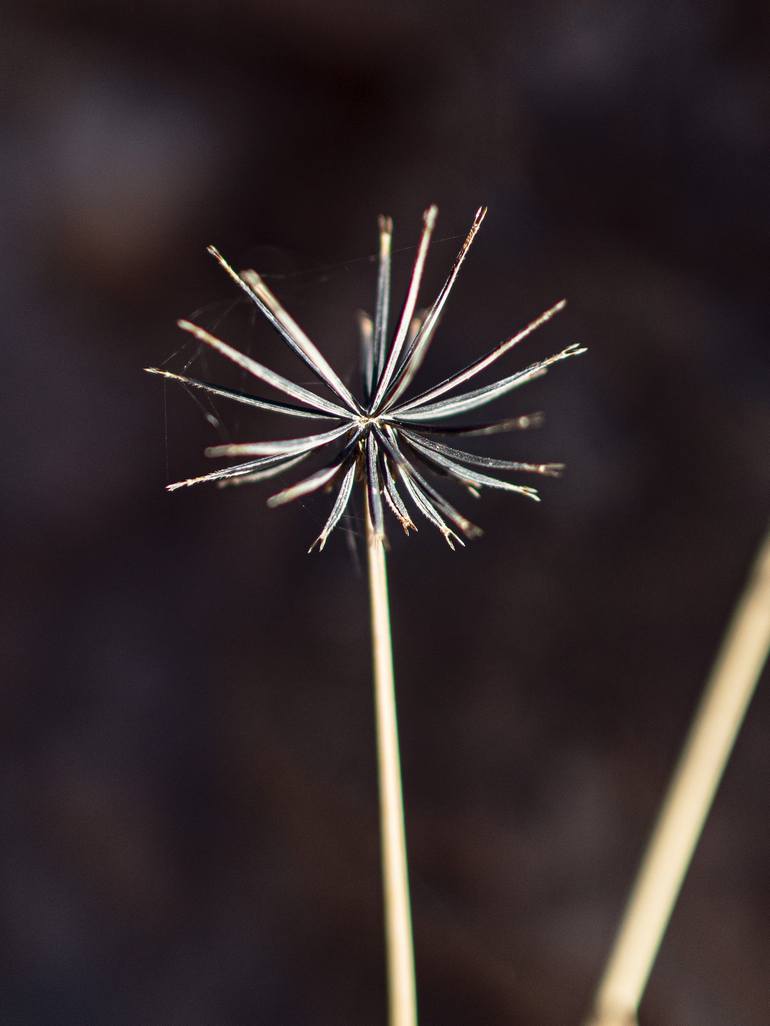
x=188 y=797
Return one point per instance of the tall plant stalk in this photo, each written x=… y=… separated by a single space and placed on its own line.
x=687 y=803
x=399 y=948
x=387 y=441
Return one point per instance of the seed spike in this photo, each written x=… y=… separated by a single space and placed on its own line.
x=460 y=455
x=341 y=502
x=282 y=448
x=485 y=361
x=472 y=476
x=260 y=295
x=278 y=381
x=239 y=397
x=530 y=420
x=252 y=468
x=418 y=346
x=366 y=336
x=382 y=304
x=429 y=221
x=487 y=393
x=299 y=341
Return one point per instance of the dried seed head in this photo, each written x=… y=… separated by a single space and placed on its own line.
x=386 y=442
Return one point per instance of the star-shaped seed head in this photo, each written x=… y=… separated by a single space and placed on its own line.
x=384 y=439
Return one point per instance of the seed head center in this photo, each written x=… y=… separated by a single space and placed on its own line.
x=366 y=422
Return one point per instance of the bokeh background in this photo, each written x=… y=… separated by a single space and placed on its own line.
x=187 y=794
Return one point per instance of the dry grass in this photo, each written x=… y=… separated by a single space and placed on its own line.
x=690 y=795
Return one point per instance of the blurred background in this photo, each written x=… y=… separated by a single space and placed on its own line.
x=187 y=794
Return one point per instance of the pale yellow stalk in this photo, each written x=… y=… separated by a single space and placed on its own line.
x=691 y=792
x=399 y=948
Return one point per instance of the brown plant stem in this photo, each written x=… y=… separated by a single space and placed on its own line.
x=399 y=949
x=716 y=724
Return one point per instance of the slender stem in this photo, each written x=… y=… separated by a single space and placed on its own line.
x=402 y=1001
x=722 y=708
